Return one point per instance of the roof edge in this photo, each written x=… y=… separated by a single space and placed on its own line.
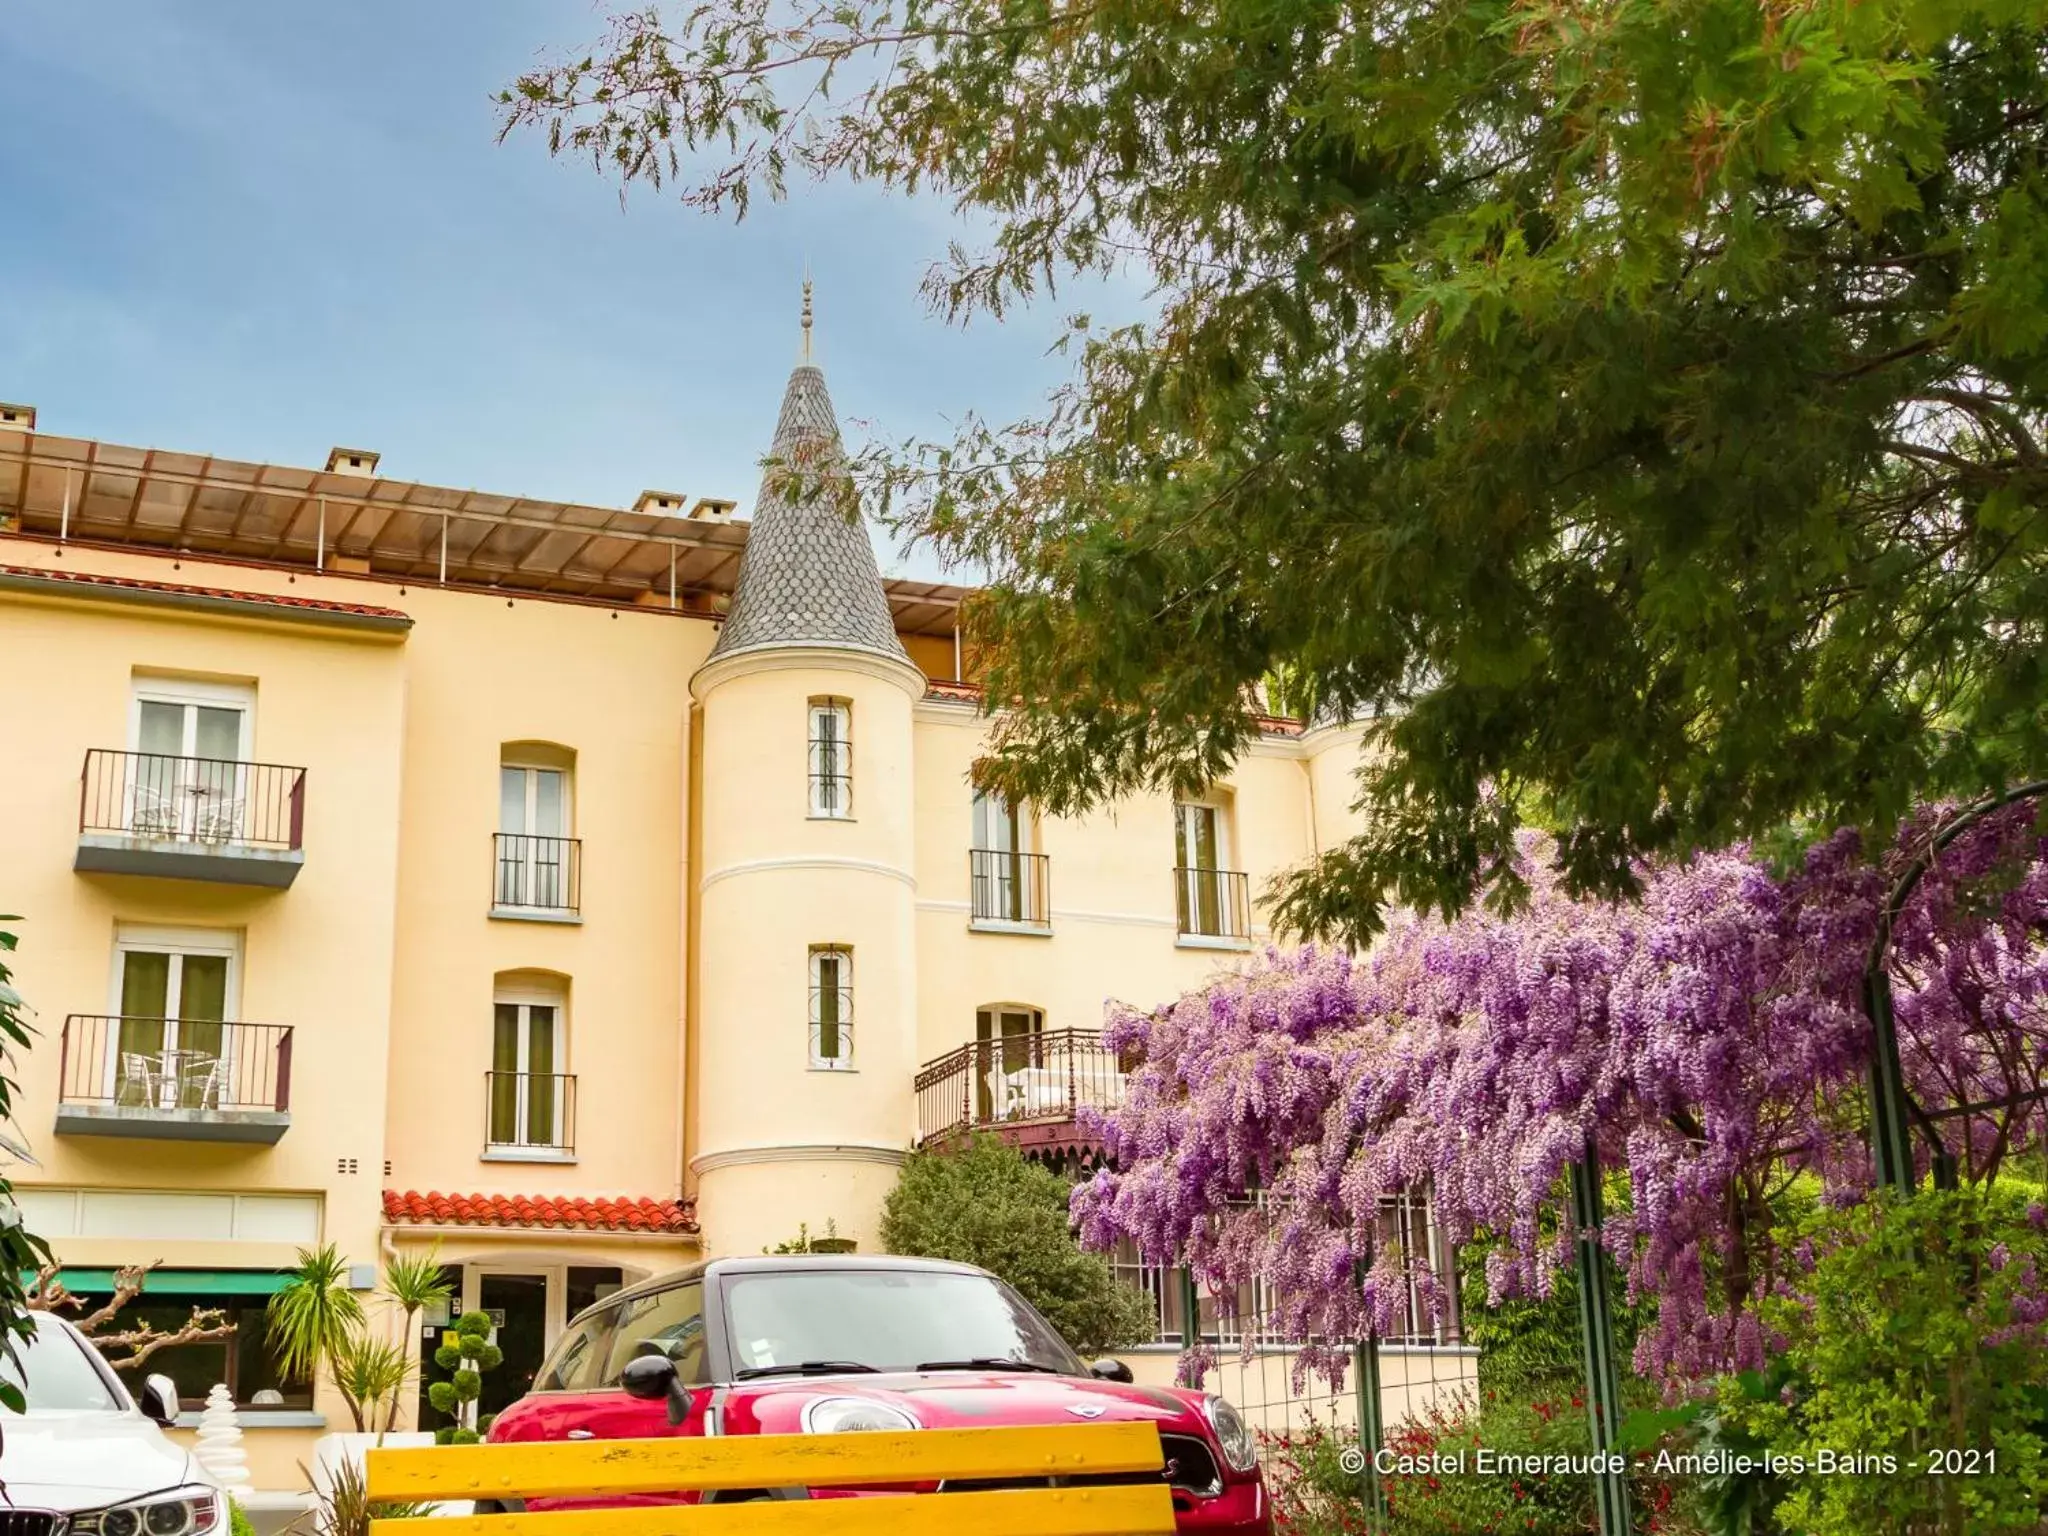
x=81 y=586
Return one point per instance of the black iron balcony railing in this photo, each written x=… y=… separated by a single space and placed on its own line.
x=1045 y=1075
x=157 y=798
x=143 y=1063
x=530 y=1112
x=539 y=874
x=1212 y=903
x=1009 y=887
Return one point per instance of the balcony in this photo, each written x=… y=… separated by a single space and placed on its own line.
x=191 y=818
x=1010 y=892
x=530 y=1117
x=1028 y=1089
x=1213 y=907
x=537 y=879
x=174 y=1079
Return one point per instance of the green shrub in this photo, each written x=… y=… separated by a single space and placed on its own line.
x=238 y=1523
x=1919 y=1332
x=986 y=1205
x=468 y=1353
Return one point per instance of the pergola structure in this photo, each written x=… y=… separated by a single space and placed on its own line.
x=347 y=518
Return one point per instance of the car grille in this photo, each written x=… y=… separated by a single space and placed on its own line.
x=1189 y=1469
x=27 y=1522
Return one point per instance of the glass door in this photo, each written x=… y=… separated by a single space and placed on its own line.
x=526 y=1097
x=1199 y=853
x=1007 y=1040
x=1001 y=837
x=533 y=815
x=187 y=780
x=171 y=1043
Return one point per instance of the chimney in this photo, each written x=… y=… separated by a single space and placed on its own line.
x=711 y=510
x=660 y=503
x=17 y=418
x=358 y=462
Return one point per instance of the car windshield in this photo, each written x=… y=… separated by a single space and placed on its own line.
x=884 y=1319
x=57 y=1376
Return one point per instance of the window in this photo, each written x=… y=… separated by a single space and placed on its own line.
x=188 y=761
x=243 y=1360
x=1211 y=899
x=1009 y=1060
x=529 y=1089
x=536 y=854
x=673 y=1320
x=578 y=1360
x=174 y=995
x=831 y=758
x=1007 y=877
x=831 y=1008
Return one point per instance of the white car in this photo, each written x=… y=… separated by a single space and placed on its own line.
x=89 y=1460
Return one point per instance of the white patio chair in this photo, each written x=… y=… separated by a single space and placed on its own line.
x=140 y=1081
x=219 y=819
x=199 y=1083
x=152 y=814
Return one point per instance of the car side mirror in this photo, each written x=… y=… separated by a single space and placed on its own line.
x=159 y=1400
x=1110 y=1370
x=649 y=1377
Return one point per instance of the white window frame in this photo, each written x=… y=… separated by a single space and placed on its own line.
x=843 y=988
x=830 y=793
x=526 y=996
x=132 y=938
x=519 y=882
x=150 y=688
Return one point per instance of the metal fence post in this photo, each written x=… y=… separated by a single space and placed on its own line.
x=1372 y=1429
x=1596 y=1334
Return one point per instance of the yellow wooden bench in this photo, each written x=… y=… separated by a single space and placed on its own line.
x=604 y=1469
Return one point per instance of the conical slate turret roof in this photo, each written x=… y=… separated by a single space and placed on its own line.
x=808 y=576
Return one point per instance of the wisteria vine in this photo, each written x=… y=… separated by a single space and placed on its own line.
x=1709 y=1040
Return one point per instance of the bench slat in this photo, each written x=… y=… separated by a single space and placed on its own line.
x=1133 y=1511
x=606 y=1468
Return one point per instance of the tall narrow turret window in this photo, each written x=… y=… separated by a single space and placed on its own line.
x=831 y=1008
x=831 y=758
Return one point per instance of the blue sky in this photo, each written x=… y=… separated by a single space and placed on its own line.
x=259 y=230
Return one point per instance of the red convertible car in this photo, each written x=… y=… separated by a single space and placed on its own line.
x=828 y=1344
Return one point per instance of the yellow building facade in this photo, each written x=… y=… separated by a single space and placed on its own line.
x=568 y=891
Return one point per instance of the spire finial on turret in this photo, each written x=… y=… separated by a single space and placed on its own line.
x=807 y=313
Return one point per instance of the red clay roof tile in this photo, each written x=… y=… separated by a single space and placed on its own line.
x=625 y=1214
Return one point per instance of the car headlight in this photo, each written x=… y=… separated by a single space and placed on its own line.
x=1239 y=1448
x=180 y=1512
x=832 y=1415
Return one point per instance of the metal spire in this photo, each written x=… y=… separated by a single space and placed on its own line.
x=806 y=357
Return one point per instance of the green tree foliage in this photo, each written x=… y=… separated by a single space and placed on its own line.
x=21 y=1254
x=315 y=1315
x=1634 y=408
x=469 y=1353
x=987 y=1205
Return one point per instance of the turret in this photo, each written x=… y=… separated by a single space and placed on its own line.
x=807 y=1004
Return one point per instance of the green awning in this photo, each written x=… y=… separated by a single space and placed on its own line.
x=176 y=1282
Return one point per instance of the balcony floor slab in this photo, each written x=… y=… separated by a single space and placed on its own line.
x=116 y=853
x=260 y=1127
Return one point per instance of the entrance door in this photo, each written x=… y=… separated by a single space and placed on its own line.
x=170 y=1049
x=188 y=777
x=521 y=1305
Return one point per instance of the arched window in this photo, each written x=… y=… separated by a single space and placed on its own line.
x=531 y=1091
x=1010 y=1061
x=831 y=765
x=539 y=863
